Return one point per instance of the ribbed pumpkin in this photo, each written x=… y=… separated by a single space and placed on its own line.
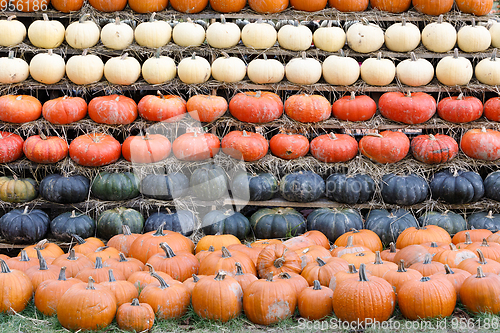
x=243 y=145
x=361 y=237
x=453 y=257
x=195 y=146
x=479 y=290
x=455 y=276
x=125 y=266
x=289 y=146
x=227 y=6
x=74 y=262
x=276 y=259
x=412 y=108
x=268 y=7
x=64 y=110
x=123 y=290
x=244 y=279
x=206 y=108
x=112 y=109
x=399 y=277
x=11 y=147
x=42 y=272
x=44 y=150
x=256 y=107
x=308 y=108
x=179 y=266
x=492 y=109
x=419 y=235
x=216 y=242
x=95 y=149
x=323 y=270
x=141 y=279
x=147 y=6
x=481 y=144
x=225 y=260
x=354 y=107
x=17 y=291
x=164 y=108
x=428 y=267
x=385 y=147
x=430 y=7
x=349 y=6
x=149 y=148
x=391 y=6
x=315 y=302
x=334 y=148
x=19 y=108
x=135 y=316
x=13 y=189
x=460 y=109
x=434 y=149
x=487 y=265
x=444 y=186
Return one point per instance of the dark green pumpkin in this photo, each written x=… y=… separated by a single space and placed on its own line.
x=254 y=187
x=72 y=223
x=334 y=222
x=353 y=189
x=115 y=186
x=388 y=225
x=16 y=190
x=225 y=222
x=302 y=186
x=449 y=221
x=110 y=222
x=457 y=187
x=181 y=221
x=492 y=186
x=403 y=190
x=165 y=187
x=60 y=189
x=485 y=220
x=24 y=226
x=208 y=182
x=277 y=223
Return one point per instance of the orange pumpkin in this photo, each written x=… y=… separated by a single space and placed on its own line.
x=125 y=266
x=323 y=270
x=189 y=6
x=112 y=110
x=354 y=107
x=122 y=242
x=453 y=256
x=379 y=267
x=278 y=258
x=416 y=236
x=334 y=148
x=481 y=144
x=350 y=5
x=17 y=289
x=308 y=5
x=489 y=250
x=434 y=149
x=206 y=108
x=412 y=108
x=289 y=146
x=67 y=6
x=99 y=272
x=95 y=149
x=385 y=147
x=226 y=261
x=492 y=109
x=479 y=291
x=194 y=146
x=391 y=6
x=455 y=276
x=150 y=148
x=45 y=150
x=141 y=279
x=428 y=267
x=135 y=316
x=147 y=6
x=460 y=109
x=411 y=254
x=180 y=266
x=389 y=253
x=474 y=235
x=11 y=147
x=243 y=145
x=228 y=6
x=348 y=247
x=167 y=108
x=108 y=5
x=123 y=290
x=256 y=107
x=312 y=237
x=74 y=262
x=363 y=237
x=268 y=6
x=399 y=277
x=308 y=108
x=64 y=110
x=19 y=108
x=487 y=265
x=216 y=242
x=433 y=7
x=244 y=279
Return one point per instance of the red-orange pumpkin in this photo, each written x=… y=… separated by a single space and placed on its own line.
x=432 y=7
x=412 y=108
x=67 y=6
x=167 y=108
x=11 y=147
x=289 y=146
x=460 y=109
x=308 y=5
x=481 y=144
x=243 y=145
x=308 y=108
x=147 y=6
x=42 y=149
x=112 y=110
x=150 y=148
x=268 y=6
x=64 y=110
x=334 y=147
x=354 y=108
x=478 y=8
x=228 y=6
x=95 y=149
x=189 y=6
x=391 y=6
x=385 y=147
x=194 y=146
x=256 y=107
x=19 y=108
x=434 y=149
x=349 y=5
x=206 y=108
x=108 y=5
x=492 y=109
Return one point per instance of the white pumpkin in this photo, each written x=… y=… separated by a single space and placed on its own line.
x=83 y=34
x=259 y=35
x=85 y=68
x=48 y=68
x=117 y=35
x=229 y=69
x=194 y=70
x=494 y=33
x=303 y=70
x=473 y=38
x=13 y=70
x=439 y=36
x=122 y=70
x=13 y=31
x=415 y=72
x=223 y=35
x=159 y=69
x=378 y=71
x=264 y=71
x=295 y=37
x=488 y=70
x=365 y=37
x=402 y=37
x=188 y=34
x=454 y=70
x=153 y=33
x=329 y=39
x=341 y=70
x=47 y=34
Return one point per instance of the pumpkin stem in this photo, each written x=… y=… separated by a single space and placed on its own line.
x=434 y=244
x=98 y=263
x=392 y=247
x=379 y=56
x=413 y=57
x=195 y=278
x=83 y=18
x=239 y=269
x=225 y=54
x=448 y=270
x=332 y=136
x=473 y=23
x=122 y=257
x=41 y=244
x=401 y=266
x=126 y=230
x=117 y=20
x=5 y=268
x=362 y=273
x=25 y=209
x=211 y=248
x=169 y=253
x=453 y=247
x=320 y=262
x=245 y=133
x=18 y=98
x=480 y=273
x=158 y=53
x=329 y=24
x=62 y=274
x=378 y=260
x=72 y=255
x=222 y=19
x=494 y=55
x=102 y=248
x=73 y=214
x=278 y=263
x=152 y=18
x=364 y=21
x=41 y=259
x=111 y=276
x=78 y=239
x=316 y=285
x=264 y=56
x=221 y=275
x=482 y=260
x=342 y=54
x=350 y=241
x=269 y=276
x=427 y=259
x=490 y=215
x=353 y=95
x=284 y=275
x=151 y=268
x=159 y=230
x=123 y=57
x=258 y=94
x=193 y=57
x=163 y=284
x=352 y=269
x=484 y=243
x=90 y=285
x=455 y=53
x=45 y=17
x=432 y=137
x=440 y=19
x=24 y=256
x=425 y=279
x=225 y=252
x=467 y=238
x=11 y=54
x=10 y=18
x=377 y=135
x=135 y=302
x=303 y=55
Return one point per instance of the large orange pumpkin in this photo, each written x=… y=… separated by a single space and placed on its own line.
x=67 y=6
x=391 y=6
x=243 y=145
x=95 y=149
x=206 y=108
x=11 y=147
x=434 y=149
x=64 y=110
x=113 y=110
x=308 y=108
x=334 y=148
x=194 y=146
x=479 y=292
x=492 y=109
x=349 y=5
x=354 y=108
x=189 y=6
x=289 y=146
x=108 y=5
x=19 y=108
x=276 y=259
x=17 y=289
x=417 y=236
x=412 y=108
x=460 y=109
x=147 y=6
x=478 y=8
x=228 y=6
x=308 y=5
x=481 y=144
x=268 y=6
x=385 y=147
x=167 y=108
x=150 y=148
x=433 y=7
x=256 y=107
x=42 y=149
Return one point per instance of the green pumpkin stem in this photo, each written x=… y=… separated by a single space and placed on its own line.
x=41 y=260
x=195 y=278
x=126 y=230
x=5 y=268
x=221 y=275
x=378 y=259
x=24 y=256
x=425 y=279
x=239 y=269
x=163 y=284
x=135 y=302
x=225 y=252
x=448 y=269
x=159 y=230
x=482 y=260
x=401 y=266
x=316 y=285
x=362 y=273
x=352 y=269
x=78 y=239
x=111 y=276
x=427 y=259
x=479 y=275
x=62 y=274
x=98 y=263
x=169 y=253
x=320 y=262
x=90 y=285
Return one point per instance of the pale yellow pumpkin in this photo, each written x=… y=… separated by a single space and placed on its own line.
x=439 y=36
x=264 y=71
x=295 y=37
x=117 y=35
x=188 y=34
x=329 y=39
x=194 y=70
x=83 y=33
x=488 y=70
x=259 y=35
x=85 y=68
x=473 y=38
x=153 y=33
x=365 y=37
x=229 y=69
x=46 y=34
x=494 y=33
x=378 y=71
x=415 y=72
x=223 y=35
x=13 y=31
x=159 y=69
x=402 y=37
x=13 y=70
x=454 y=70
x=341 y=70
x=303 y=70
x=48 y=68
x=123 y=70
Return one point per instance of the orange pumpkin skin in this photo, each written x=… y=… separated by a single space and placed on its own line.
x=17 y=289
x=276 y=259
x=64 y=110
x=19 y=108
x=135 y=316
x=433 y=7
x=478 y=8
x=252 y=252
x=434 y=149
x=310 y=238
x=141 y=279
x=354 y=108
x=194 y=146
x=122 y=242
x=308 y=108
x=67 y=6
x=226 y=260
x=192 y=281
x=99 y=272
x=386 y=147
x=104 y=252
x=123 y=290
x=455 y=276
x=167 y=108
x=414 y=108
x=308 y=5
x=349 y=6
x=289 y=146
x=334 y=148
x=125 y=266
x=256 y=107
x=29 y=5
x=411 y=254
x=311 y=253
x=206 y=108
x=417 y=236
x=479 y=292
x=487 y=265
x=363 y=237
x=389 y=253
x=112 y=110
x=244 y=279
x=489 y=250
x=324 y=270
x=459 y=109
x=268 y=6
x=297 y=281
x=481 y=144
x=315 y=302
x=216 y=242
x=44 y=150
x=391 y=6
x=398 y=278
x=379 y=267
x=74 y=262
x=453 y=256
x=147 y=6
x=246 y=146
x=228 y=6
x=146 y=149
x=492 y=109
x=96 y=149
x=428 y=267
x=189 y=6
x=179 y=266
x=47 y=249
x=108 y=5
x=474 y=235
x=11 y=147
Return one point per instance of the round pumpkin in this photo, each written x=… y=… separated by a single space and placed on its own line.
x=165 y=186
x=434 y=149
x=277 y=223
x=147 y=6
x=206 y=108
x=364 y=37
x=67 y=224
x=334 y=223
x=225 y=222
x=150 y=148
x=432 y=7
x=111 y=222
x=15 y=70
x=181 y=221
x=308 y=108
x=349 y=6
x=289 y=146
x=15 y=31
x=64 y=189
x=19 y=108
x=34 y=225
x=11 y=147
x=439 y=36
x=195 y=146
x=403 y=189
x=458 y=187
x=135 y=316
x=19 y=289
x=95 y=149
x=115 y=186
x=349 y=189
x=254 y=187
x=47 y=68
x=243 y=145
x=112 y=110
x=83 y=33
x=454 y=70
x=460 y=109
x=42 y=149
x=412 y=108
x=268 y=7
x=302 y=186
x=389 y=225
x=64 y=110
x=262 y=71
x=334 y=148
x=385 y=147
x=449 y=221
x=164 y=108
x=415 y=72
x=13 y=189
x=208 y=182
x=481 y=144
x=256 y=107
x=354 y=107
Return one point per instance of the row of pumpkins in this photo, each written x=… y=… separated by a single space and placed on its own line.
x=156 y=275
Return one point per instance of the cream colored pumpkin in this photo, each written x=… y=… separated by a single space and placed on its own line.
x=378 y=71
x=153 y=33
x=329 y=39
x=13 y=31
x=439 y=36
x=473 y=38
x=117 y=35
x=303 y=70
x=83 y=34
x=122 y=70
x=46 y=34
x=415 y=72
x=365 y=37
x=48 y=68
x=158 y=69
x=494 y=33
x=194 y=70
x=188 y=34
x=223 y=35
x=402 y=37
x=264 y=71
x=341 y=70
x=85 y=68
x=229 y=69
x=259 y=35
x=488 y=70
x=13 y=70
x=454 y=70
x=295 y=37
